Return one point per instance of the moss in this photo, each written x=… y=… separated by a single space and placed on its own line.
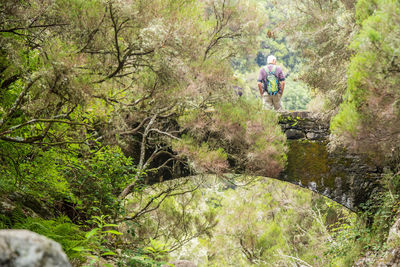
x=291 y=119
x=310 y=161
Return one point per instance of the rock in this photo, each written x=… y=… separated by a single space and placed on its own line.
x=363 y=262
x=313 y=136
x=392 y=258
x=294 y=134
x=394 y=232
x=181 y=263
x=296 y=124
x=22 y=248
x=30 y=202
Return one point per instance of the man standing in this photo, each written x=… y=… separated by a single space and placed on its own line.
x=271 y=83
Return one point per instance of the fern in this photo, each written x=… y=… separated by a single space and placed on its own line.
x=5 y=222
x=61 y=230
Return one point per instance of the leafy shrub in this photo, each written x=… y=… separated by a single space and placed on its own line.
x=244 y=131
x=97 y=179
x=372 y=97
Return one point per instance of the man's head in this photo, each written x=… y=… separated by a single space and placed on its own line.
x=271 y=60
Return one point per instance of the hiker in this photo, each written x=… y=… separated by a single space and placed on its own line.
x=271 y=83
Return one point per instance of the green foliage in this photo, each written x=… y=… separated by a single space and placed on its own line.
x=203 y=159
x=91 y=182
x=98 y=239
x=172 y=213
x=85 y=74
x=369 y=231
x=5 y=222
x=274 y=41
x=296 y=95
x=321 y=31
x=138 y=259
x=98 y=179
x=32 y=171
x=364 y=9
x=347 y=120
x=264 y=223
x=248 y=135
x=157 y=251
x=9 y=218
x=86 y=85
x=61 y=230
x=371 y=100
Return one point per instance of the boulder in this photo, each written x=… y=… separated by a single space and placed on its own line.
x=294 y=134
x=22 y=248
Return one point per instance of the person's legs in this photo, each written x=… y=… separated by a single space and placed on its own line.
x=276 y=101
x=267 y=101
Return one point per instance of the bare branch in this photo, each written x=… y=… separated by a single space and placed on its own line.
x=133 y=131
x=164 y=165
x=122 y=62
x=10 y=130
x=116 y=30
x=163 y=195
x=13 y=30
x=29 y=140
x=164 y=133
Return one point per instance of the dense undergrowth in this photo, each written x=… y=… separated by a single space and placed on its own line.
x=283 y=226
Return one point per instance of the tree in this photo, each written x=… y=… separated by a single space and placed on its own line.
x=368 y=119
x=77 y=76
x=322 y=32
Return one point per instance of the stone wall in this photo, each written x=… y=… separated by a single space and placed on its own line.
x=343 y=177
x=346 y=178
x=303 y=125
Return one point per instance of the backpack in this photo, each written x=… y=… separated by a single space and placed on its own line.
x=271 y=83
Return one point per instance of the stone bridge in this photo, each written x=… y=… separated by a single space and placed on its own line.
x=346 y=178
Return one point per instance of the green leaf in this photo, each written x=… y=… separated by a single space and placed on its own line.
x=91 y=233
x=79 y=249
x=110 y=225
x=113 y=232
x=109 y=253
x=150 y=249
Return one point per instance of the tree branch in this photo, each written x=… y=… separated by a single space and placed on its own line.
x=13 y=30
x=164 y=133
x=18 y=101
x=10 y=130
x=164 y=194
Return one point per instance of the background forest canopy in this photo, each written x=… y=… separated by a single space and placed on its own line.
x=99 y=98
